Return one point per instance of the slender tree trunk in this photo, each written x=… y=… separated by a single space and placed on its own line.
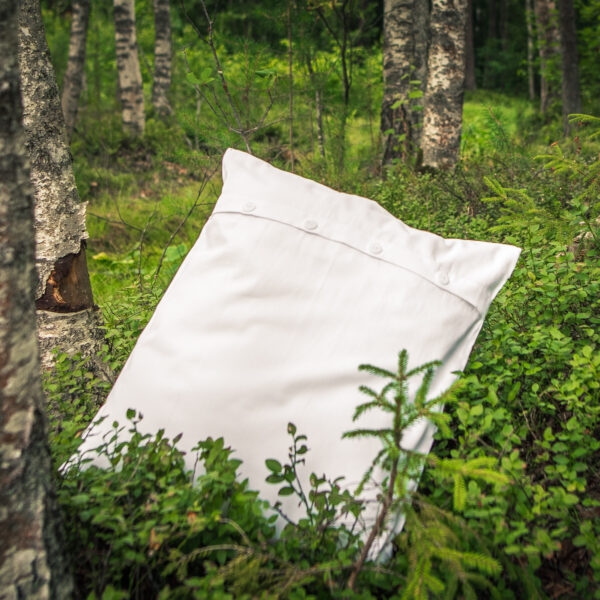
x=131 y=93
x=67 y=317
x=503 y=23
x=442 y=123
x=530 y=45
x=398 y=64
x=492 y=19
x=162 y=58
x=32 y=562
x=421 y=53
x=470 y=83
x=571 y=96
x=291 y=81
x=344 y=43
x=73 y=79
x=318 y=105
x=548 y=43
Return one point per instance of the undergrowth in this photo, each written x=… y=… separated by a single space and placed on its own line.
x=509 y=502
x=528 y=408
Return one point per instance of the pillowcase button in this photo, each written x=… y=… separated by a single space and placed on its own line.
x=375 y=248
x=442 y=278
x=249 y=207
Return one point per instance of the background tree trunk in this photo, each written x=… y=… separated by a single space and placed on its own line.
x=492 y=19
x=290 y=83
x=318 y=104
x=421 y=53
x=530 y=45
x=162 y=58
x=66 y=314
x=571 y=95
x=470 y=83
x=398 y=67
x=442 y=123
x=32 y=564
x=548 y=43
x=73 y=79
x=131 y=93
x=503 y=23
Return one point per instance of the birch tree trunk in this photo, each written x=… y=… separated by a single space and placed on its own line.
x=421 y=54
x=442 y=122
x=73 y=79
x=131 y=93
x=32 y=563
x=571 y=95
x=318 y=104
x=162 y=58
x=402 y=58
x=548 y=44
x=67 y=317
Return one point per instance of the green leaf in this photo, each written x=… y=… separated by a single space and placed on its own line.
x=273 y=465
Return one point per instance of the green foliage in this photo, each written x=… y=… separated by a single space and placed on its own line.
x=146 y=526
x=509 y=505
x=143 y=526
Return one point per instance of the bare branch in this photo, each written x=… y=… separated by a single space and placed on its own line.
x=196 y=202
x=219 y=69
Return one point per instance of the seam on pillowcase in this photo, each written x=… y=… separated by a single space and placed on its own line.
x=352 y=247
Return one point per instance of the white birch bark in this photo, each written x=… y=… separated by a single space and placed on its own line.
x=162 y=57
x=131 y=94
x=32 y=564
x=398 y=55
x=405 y=47
x=63 y=285
x=442 y=122
x=73 y=79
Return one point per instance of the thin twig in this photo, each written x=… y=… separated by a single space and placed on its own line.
x=182 y=223
x=141 y=245
x=220 y=72
x=112 y=221
x=376 y=529
x=116 y=203
x=220 y=114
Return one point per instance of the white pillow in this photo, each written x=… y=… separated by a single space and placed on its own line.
x=290 y=286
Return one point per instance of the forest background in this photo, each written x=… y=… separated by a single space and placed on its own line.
x=509 y=502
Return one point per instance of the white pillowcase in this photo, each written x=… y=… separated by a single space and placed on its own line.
x=290 y=286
